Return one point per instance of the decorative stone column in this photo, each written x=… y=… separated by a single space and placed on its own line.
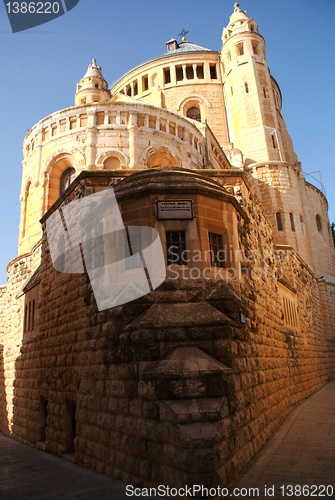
x=39 y=155
x=91 y=141
x=133 y=130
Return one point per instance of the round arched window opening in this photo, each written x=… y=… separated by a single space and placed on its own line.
x=66 y=178
x=194 y=113
x=318 y=223
x=112 y=163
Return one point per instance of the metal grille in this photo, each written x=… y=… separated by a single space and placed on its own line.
x=216 y=250
x=175 y=247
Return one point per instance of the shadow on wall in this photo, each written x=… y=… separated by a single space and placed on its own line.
x=3 y=409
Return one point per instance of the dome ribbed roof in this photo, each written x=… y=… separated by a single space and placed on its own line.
x=186 y=47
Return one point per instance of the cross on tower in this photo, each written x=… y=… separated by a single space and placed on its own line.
x=183 y=34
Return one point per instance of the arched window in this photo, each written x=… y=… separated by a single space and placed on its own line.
x=318 y=223
x=292 y=221
x=161 y=159
x=66 y=178
x=279 y=221
x=194 y=113
x=112 y=163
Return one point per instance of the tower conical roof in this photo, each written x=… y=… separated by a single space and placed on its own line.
x=238 y=14
x=93 y=70
x=92 y=87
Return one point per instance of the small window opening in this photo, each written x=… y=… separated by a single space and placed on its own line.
x=255 y=48
x=96 y=86
x=175 y=247
x=128 y=90
x=189 y=72
x=200 y=71
x=66 y=178
x=274 y=142
x=217 y=252
x=134 y=245
x=213 y=73
x=302 y=224
x=179 y=73
x=135 y=88
x=292 y=221
x=276 y=99
x=25 y=319
x=279 y=221
x=194 y=113
x=318 y=223
x=167 y=76
x=246 y=86
x=145 y=82
x=29 y=317
x=264 y=92
x=240 y=49
x=231 y=91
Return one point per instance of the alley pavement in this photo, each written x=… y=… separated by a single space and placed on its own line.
x=297 y=462
x=300 y=454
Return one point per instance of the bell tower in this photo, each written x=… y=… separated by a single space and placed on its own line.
x=252 y=96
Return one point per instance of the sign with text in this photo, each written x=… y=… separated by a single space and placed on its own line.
x=174 y=209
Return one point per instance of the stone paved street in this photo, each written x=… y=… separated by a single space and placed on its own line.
x=302 y=452
x=30 y=474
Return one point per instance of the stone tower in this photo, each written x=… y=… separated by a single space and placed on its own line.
x=252 y=96
x=297 y=210
x=194 y=144
x=92 y=87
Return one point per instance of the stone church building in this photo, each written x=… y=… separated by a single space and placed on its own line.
x=186 y=383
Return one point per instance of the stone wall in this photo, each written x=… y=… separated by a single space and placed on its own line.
x=183 y=385
x=19 y=271
x=3 y=412
x=3 y=298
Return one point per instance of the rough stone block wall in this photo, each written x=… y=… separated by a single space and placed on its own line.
x=3 y=411
x=324 y=253
x=19 y=271
x=3 y=301
x=173 y=388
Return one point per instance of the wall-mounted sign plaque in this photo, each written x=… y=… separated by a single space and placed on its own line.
x=174 y=209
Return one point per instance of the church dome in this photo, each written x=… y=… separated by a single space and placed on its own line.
x=184 y=48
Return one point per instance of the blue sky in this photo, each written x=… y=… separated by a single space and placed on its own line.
x=41 y=66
